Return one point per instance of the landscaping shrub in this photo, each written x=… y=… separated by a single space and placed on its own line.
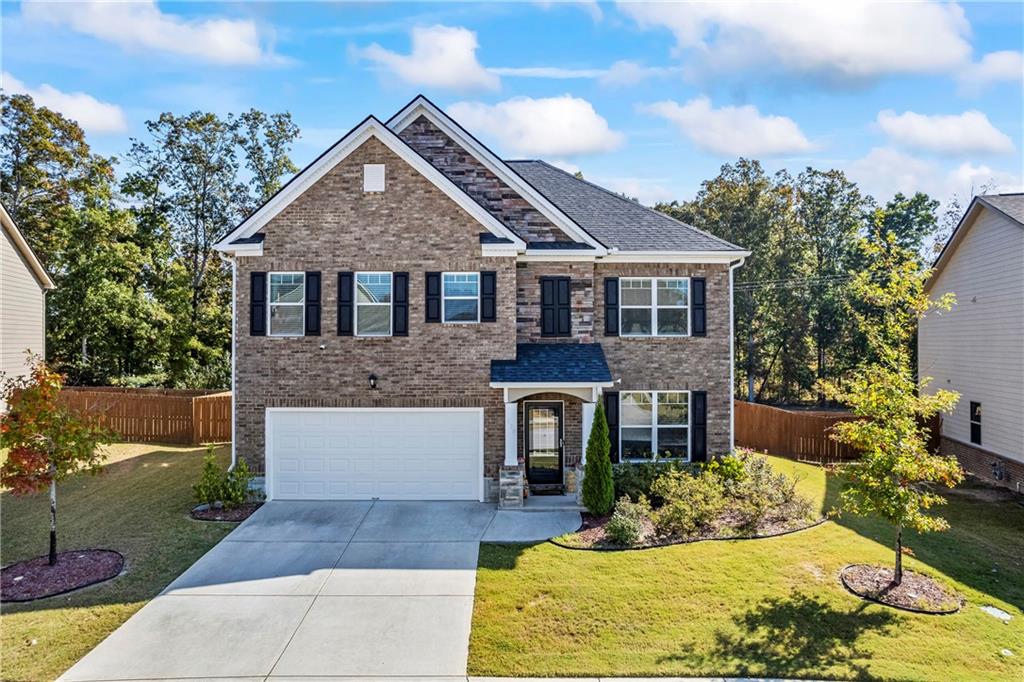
x=626 y=527
x=210 y=487
x=729 y=469
x=692 y=502
x=635 y=479
x=598 y=489
x=236 y=484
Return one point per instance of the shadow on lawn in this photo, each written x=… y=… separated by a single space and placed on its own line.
x=983 y=548
x=793 y=636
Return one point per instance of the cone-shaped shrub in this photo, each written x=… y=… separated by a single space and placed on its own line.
x=598 y=488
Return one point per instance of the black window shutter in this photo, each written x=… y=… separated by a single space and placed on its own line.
x=611 y=306
x=346 y=303
x=555 y=307
x=257 y=304
x=400 y=304
x=698 y=307
x=699 y=424
x=611 y=414
x=312 y=304
x=488 y=296
x=433 y=297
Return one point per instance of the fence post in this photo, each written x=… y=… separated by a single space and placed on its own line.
x=196 y=420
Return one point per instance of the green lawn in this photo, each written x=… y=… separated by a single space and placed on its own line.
x=771 y=607
x=138 y=506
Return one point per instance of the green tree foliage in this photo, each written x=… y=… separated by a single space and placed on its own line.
x=893 y=475
x=47 y=442
x=598 y=487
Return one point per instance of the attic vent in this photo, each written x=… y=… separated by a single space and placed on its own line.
x=373 y=177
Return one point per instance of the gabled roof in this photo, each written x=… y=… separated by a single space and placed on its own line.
x=614 y=219
x=238 y=240
x=566 y=363
x=1009 y=205
x=25 y=250
x=421 y=106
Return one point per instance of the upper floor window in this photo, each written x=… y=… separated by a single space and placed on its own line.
x=654 y=422
x=287 y=303
x=976 y=423
x=373 y=303
x=460 y=300
x=654 y=306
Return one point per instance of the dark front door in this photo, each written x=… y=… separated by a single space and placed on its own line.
x=544 y=443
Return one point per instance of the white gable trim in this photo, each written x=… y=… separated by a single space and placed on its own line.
x=371 y=127
x=977 y=205
x=38 y=271
x=421 y=106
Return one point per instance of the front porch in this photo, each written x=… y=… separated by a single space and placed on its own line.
x=550 y=393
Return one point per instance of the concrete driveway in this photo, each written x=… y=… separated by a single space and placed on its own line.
x=322 y=589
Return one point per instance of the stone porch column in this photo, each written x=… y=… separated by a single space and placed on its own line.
x=511 y=431
x=510 y=478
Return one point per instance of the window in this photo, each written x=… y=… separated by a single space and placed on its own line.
x=287 y=303
x=976 y=423
x=654 y=422
x=460 y=300
x=373 y=304
x=654 y=306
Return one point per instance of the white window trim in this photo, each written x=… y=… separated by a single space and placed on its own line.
x=655 y=426
x=653 y=307
x=271 y=305
x=444 y=298
x=390 y=305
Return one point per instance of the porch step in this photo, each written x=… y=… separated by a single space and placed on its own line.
x=547 y=503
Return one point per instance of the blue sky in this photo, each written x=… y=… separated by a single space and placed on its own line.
x=649 y=99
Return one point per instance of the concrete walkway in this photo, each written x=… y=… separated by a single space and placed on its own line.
x=322 y=589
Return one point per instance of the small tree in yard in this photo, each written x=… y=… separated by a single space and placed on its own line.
x=598 y=487
x=893 y=475
x=47 y=442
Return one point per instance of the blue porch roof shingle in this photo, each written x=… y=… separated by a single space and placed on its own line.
x=553 y=363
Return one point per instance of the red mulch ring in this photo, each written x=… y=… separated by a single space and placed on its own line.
x=36 y=579
x=239 y=513
x=917 y=593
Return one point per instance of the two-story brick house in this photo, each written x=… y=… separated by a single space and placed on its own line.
x=415 y=318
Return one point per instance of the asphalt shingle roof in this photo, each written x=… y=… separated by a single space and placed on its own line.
x=1010 y=204
x=553 y=362
x=612 y=219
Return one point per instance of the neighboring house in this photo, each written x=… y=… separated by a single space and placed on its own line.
x=977 y=349
x=416 y=318
x=23 y=287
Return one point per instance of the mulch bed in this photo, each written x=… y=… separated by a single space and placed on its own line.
x=239 y=513
x=592 y=536
x=917 y=593
x=36 y=579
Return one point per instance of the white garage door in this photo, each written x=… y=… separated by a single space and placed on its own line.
x=359 y=454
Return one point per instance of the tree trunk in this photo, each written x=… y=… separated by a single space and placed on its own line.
x=897 y=577
x=53 y=521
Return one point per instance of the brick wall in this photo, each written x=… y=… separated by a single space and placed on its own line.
x=411 y=227
x=667 y=363
x=581 y=286
x=979 y=462
x=475 y=179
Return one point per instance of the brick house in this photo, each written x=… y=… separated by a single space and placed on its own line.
x=416 y=318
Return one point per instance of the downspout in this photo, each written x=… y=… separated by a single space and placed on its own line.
x=732 y=356
x=234 y=323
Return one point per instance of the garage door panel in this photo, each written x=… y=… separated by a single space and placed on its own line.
x=387 y=454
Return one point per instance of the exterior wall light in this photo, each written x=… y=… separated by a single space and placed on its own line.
x=373 y=381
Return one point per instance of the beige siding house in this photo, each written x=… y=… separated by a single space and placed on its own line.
x=977 y=349
x=23 y=287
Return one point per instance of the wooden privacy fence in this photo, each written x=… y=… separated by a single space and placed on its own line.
x=802 y=435
x=151 y=415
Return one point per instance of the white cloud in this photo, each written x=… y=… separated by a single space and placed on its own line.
x=885 y=171
x=648 y=191
x=621 y=73
x=732 y=131
x=626 y=72
x=968 y=133
x=835 y=41
x=441 y=57
x=556 y=72
x=1006 y=65
x=90 y=113
x=141 y=26
x=555 y=126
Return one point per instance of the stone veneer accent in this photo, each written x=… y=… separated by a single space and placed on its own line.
x=672 y=363
x=581 y=285
x=411 y=227
x=476 y=180
x=979 y=462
